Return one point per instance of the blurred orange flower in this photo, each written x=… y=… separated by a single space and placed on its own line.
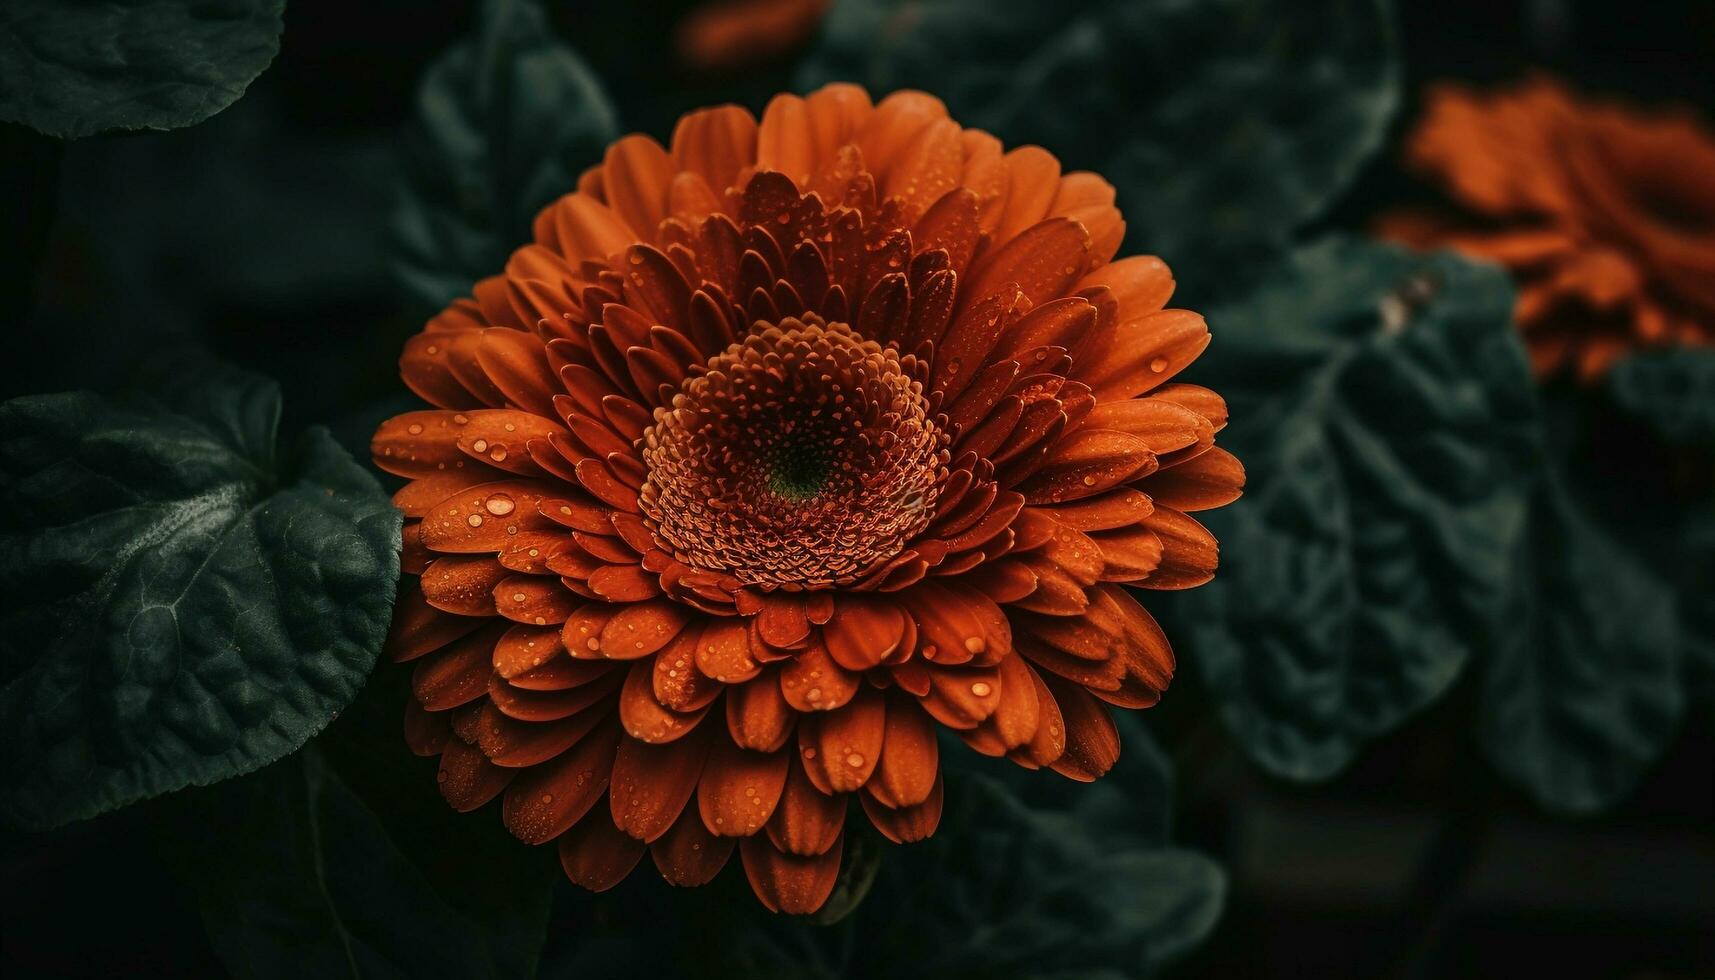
x=781 y=447
x=1604 y=215
x=728 y=34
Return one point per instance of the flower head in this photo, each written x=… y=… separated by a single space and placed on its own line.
x=777 y=450
x=1606 y=217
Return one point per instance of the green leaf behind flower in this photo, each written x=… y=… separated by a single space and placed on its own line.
x=343 y=860
x=1672 y=390
x=505 y=123
x=71 y=68
x=1583 y=690
x=1225 y=125
x=185 y=600
x=1382 y=406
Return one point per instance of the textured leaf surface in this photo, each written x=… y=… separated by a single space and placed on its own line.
x=1382 y=407
x=1028 y=876
x=72 y=68
x=185 y=601
x=505 y=123
x=343 y=861
x=1584 y=690
x=1671 y=390
x=1224 y=124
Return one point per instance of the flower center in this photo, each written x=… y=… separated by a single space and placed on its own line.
x=803 y=456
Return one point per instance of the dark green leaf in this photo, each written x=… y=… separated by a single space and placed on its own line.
x=1224 y=124
x=1671 y=390
x=185 y=601
x=1585 y=691
x=1382 y=406
x=299 y=877
x=71 y=68
x=506 y=122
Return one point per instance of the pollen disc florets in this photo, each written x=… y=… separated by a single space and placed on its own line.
x=803 y=457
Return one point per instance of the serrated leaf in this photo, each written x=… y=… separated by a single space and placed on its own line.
x=1225 y=125
x=505 y=123
x=71 y=69
x=185 y=601
x=1382 y=406
x=298 y=877
x=1671 y=390
x=1585 y=691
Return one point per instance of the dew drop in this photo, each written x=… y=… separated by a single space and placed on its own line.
x=481 y=445
x=975 y=644
x=1158 y=365
x=474 y=520
x=499 y=505
x=981 y=689
x=854 y=760
x=414 y=429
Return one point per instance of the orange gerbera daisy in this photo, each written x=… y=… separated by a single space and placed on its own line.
x=726 y=34
x=1606 y=217
x=775 y=450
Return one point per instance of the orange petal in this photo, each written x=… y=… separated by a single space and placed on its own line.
x=419 y=628
x=910 y=761
x=1092 y=741
x=467 y=778
x=813 y=681
x=956 y=623
x=789 y=883
x=534 y=600
x=596 y=855
x=1140 y=283
x=716 y=143
x=907 y=824
x=962 y=697
x=1189 y=553
x=1214 y=479
x=1042 y=261
x=679 y=684
x=806 y=821
x=687 y=855
x=635 y=173
x=723 y=651
x=1048 y=742
x=640 y=629
x=757 y=715
x=544 y=802
x=652 y=783
x=645 y=718
x=462 y=586
x=865 y=630
x=846 y=742
x=740 y=788
x=783 y=622
x=1088 y=462
x=624 y=583
x=1148 y=352
x=458 y=673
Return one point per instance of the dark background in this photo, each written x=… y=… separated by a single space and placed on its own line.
x=262 y=234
